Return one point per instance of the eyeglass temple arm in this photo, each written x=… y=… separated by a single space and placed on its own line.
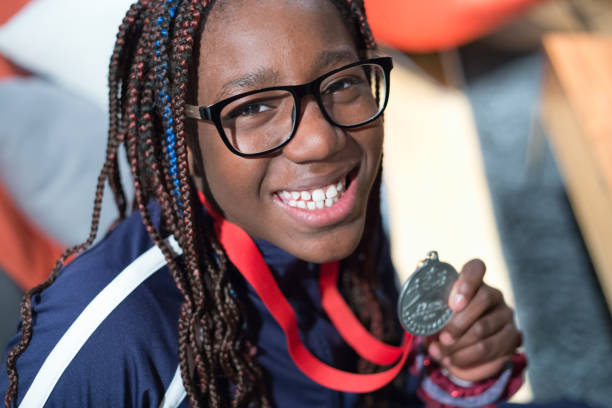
x=197 y=112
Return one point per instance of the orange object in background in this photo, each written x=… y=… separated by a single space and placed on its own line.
x=27 y=255
x=9 y=8
x=434 y=25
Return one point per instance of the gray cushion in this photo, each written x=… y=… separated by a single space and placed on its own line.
x=53 y=147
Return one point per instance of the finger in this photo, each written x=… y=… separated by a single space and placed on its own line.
x=484 y=327
x=427 y=340
x=432 y=345
x=500 y=344
x=434 y=351
x=486 y=298
x=466 y=286
x=481 y=372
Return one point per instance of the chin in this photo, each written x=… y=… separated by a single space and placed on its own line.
x=333 y=246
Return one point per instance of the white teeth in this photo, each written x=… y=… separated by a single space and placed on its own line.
x=331 y=192
x=316 y=199
x=318 y=195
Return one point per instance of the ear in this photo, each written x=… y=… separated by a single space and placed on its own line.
x=190 y=162
x=196 y=176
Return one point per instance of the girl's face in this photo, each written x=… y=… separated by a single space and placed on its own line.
x=248 y=45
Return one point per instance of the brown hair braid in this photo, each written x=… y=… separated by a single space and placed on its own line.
x=212 y=344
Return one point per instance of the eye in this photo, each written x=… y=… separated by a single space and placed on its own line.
x=342 y=84
x=248 y=109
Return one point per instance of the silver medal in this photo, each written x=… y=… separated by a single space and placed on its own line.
x=423 y=301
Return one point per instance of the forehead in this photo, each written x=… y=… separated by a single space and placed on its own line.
x=277 y=41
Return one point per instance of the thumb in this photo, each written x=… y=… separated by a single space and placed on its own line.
x=466 y=286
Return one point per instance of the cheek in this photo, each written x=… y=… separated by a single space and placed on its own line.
x=224 y=176
x=233 y=181
x=377 y=145
x=371 y=142
x=216 y=163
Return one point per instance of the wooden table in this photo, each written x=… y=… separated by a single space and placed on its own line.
x=577 y=112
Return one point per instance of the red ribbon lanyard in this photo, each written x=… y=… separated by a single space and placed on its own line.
x=245 y=255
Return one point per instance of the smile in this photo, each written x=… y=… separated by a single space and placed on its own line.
x=321 y=206
x=315 y=199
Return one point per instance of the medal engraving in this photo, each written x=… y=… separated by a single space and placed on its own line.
x=423 y=302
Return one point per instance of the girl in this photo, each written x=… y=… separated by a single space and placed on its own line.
x=254 y=134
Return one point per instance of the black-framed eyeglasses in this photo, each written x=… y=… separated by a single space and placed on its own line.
x=261 y=121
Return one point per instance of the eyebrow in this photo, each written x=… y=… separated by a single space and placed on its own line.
x=328 y=59
x=265 y=76
x=252 y=80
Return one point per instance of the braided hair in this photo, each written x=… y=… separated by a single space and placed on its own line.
x=150 y=73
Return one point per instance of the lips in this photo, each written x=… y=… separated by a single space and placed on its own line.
x=322 y=205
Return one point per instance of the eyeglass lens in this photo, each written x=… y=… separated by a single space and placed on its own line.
x=265 y=120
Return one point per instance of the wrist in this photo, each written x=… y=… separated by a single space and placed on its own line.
x=455 y=380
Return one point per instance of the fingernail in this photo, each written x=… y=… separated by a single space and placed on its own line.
x=446 y=338
x=434 y=351
x=457 y=301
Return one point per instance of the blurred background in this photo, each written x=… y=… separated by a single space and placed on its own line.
x=498 y=146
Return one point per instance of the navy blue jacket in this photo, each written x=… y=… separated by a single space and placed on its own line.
x=128 y=354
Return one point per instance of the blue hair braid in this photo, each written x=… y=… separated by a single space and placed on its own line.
x=165 y=104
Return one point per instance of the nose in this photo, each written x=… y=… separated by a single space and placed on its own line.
x=315 y=138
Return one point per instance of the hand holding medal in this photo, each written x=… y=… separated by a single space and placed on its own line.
x=470 y=329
